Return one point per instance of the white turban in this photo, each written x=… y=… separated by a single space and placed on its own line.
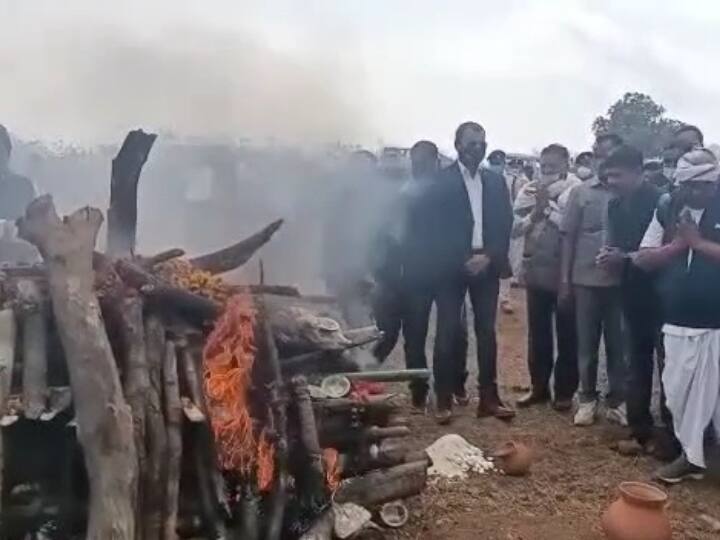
x=698 y=165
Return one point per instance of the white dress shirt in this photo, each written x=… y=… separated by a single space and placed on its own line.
x=474 y=187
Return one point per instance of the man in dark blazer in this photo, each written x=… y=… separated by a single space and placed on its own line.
x=473 y=219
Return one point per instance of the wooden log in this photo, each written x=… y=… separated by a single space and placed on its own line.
x=400 y=375
x=59 y=399
x=162 y=257
x=234 y=256
x=278 y=290
x=136 y=385
x=379 y=403
x=104 y=420
x=125 y=174
x=173 y=415
x=8 y=333
x=352 y=438
x=156 y=437
x=278 y=404
x=385 y=454
x=214 y=523
x=249 y=528
x=379 y=487
x=190 y=306
x=309 y=432
x=35 y=362
x=322 y=529
x=193 y=379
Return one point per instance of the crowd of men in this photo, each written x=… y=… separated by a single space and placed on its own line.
x=610 y=246
x=615 y=249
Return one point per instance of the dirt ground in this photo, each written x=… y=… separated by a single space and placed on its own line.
x=572 y=481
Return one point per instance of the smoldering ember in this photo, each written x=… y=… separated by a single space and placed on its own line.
x=144 y=397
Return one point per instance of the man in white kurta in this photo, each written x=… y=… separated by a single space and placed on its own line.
x=683 y=243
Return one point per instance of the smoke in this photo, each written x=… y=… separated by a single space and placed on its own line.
x=231 y=108
x=93 y=82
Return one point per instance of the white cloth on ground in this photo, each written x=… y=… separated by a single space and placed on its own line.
x=691 y=380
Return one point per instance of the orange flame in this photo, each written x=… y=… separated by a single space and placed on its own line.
x=331 y=460
x=228 y=360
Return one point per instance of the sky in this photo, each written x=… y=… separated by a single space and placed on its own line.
x=372 y=72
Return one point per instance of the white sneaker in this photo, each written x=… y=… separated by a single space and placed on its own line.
x=585 y=415
x=617 y=415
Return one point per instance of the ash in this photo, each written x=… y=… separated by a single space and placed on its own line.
x=453 y=458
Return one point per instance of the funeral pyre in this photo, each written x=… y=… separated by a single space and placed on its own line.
x=146 y=398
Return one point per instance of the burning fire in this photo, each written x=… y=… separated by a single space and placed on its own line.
x=331 y=460
x=228 y=360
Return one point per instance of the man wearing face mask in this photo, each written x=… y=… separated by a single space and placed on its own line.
x=473 y=217
x=584 y=166
x=683 y=243
x=684 y=140
x=595 y=291
x=538 y=210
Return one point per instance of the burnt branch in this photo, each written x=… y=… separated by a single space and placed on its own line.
x=122 y=213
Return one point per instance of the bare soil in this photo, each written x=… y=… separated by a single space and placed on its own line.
x=573 y=479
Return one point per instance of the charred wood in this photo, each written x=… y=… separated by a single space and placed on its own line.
x=33 y=312
x=136 y=384
x=278 y=404
x=173 y=415
x=156 y=437
x=378 y=487
x=125 y=175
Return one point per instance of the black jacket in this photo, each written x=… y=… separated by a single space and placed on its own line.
x=628 y=219
x=452 y=223
x=690 y=294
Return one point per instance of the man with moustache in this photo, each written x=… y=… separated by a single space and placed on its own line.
x=594 y=290
x=472 y=217
x=682 y=243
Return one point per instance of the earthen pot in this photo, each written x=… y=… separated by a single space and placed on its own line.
x=638 y=514
x=514 y=459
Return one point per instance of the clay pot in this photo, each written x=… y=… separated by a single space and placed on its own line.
x=638 y=514
x=514 y=459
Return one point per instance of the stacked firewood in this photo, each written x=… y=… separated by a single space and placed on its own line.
x=143 y=397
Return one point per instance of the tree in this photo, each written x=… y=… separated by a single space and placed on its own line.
x=640 y=121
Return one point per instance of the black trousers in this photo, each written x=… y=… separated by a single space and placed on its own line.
x=387 y=310
x=542 y=312
x=644 y=345
x=449 y=362
x=416 y=320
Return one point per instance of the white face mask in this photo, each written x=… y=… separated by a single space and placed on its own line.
x=584 y=172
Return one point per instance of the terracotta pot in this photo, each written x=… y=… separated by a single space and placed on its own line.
x=514 y=459
x=638 y=514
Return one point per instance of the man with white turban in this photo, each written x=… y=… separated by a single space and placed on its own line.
x=683 y=243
